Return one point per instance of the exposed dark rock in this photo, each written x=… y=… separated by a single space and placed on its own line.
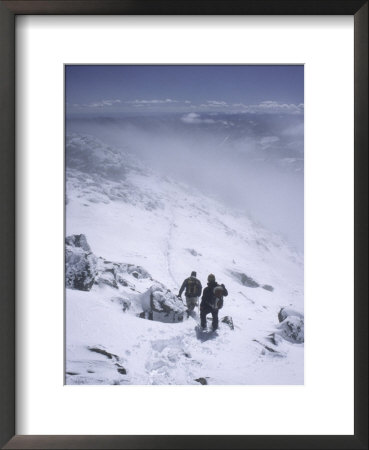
x=121 y=369
x=292 y=329
x=291 y=326
x=193 y=252
x=111 y=356
x=202 y=381
x=275 y=339
x=80 y=263
x=285 y=312
x=270 y=349
x=229 y=321
x=108 y=278
x=149 y=315
x=268 y=287
x=83 y=269
x=79 y=241
x=273 y=351
x=103 y=352
x=72 y=373
x=244 y=279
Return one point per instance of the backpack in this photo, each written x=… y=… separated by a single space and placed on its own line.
x=218 y=297
x=192 y=287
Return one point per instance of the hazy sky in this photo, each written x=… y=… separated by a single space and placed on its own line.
x=184 y=88
x=250 y=161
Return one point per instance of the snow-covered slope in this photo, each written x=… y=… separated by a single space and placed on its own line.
x=135 y=218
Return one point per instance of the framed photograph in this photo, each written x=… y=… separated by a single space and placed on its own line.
x=184 y=224
x=180 y=246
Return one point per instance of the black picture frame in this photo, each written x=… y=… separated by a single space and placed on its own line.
x=8 y=11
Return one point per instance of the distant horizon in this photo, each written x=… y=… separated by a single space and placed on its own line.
x=103 y=89
x=133 y=113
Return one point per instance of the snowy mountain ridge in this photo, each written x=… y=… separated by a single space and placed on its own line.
x=133 y=218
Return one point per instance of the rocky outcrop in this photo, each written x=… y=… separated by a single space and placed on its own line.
x=83 y=269
x=275 y=338
x=292 y=329
x=115 y=274
x=115 y=358
x=248 y=281
x=228 y=321
x=244 y=279
x=268 y=287
x=159 y=303
x=291 y=326
x=285 y=312
x=80 y=263
x=79 y=241
x=103 y=352
x=202 y=381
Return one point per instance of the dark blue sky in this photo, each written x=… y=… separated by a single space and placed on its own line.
x=114 y=88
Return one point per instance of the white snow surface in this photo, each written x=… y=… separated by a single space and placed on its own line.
x=131 y=215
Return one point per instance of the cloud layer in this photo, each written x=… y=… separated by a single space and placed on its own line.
x=174 y=105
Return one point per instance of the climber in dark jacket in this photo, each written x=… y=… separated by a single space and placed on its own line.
x=212 y=301
x=193 y=289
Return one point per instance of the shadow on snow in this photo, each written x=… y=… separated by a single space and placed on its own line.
x=205 y=335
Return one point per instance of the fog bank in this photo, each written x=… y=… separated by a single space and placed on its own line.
x=252 y=162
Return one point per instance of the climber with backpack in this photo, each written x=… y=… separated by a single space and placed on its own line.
x=212 y=301
x=193 y=289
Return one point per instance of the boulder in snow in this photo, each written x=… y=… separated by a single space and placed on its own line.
x=110 y=274
x=79 y=241
x=80 y=263
x=159 y=303
x=115 y=274
x=291 y=326
x=228 y=321
x=292 y=329
x=107 y=277
x=202 y=381
x=285 y=312
x=268 y=287
x=136 y=271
